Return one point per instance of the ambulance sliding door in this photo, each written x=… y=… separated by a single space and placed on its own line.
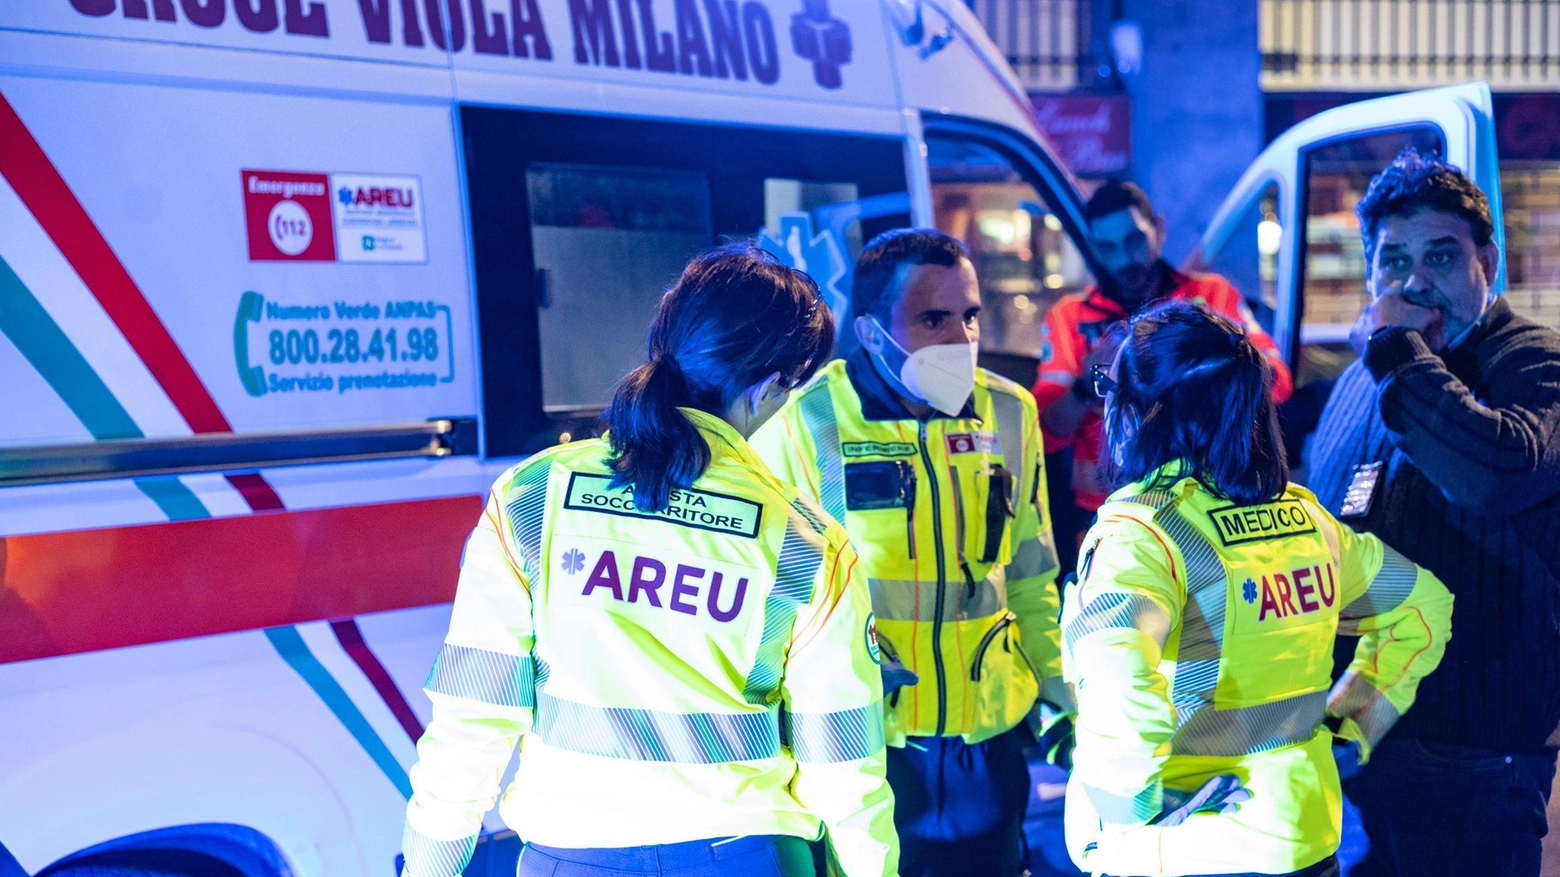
x=579 y=223
x=1288 y=237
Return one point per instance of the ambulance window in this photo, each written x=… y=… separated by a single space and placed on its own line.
x=606 y=241
x=793 y=196
x=1248 y=258
x=579 y=222
x=1332 y=281
x=1023 y=255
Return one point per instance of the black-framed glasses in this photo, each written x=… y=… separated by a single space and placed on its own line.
x=1104 y=384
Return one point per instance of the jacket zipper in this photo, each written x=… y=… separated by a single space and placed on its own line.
x=942 y=583
x=985 y=643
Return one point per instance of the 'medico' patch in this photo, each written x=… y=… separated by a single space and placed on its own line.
x=877 y=449
x=1254 y=523
x=699 y=509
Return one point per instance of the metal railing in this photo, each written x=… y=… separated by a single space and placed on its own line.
x=1046 y=41
x=225 y=452
x=1370 y=45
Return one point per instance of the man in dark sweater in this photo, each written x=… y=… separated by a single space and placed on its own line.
x=1444 y=440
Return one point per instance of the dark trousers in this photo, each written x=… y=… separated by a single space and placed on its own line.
x=756 y=856
x=1430 y=810
x=1327 y=867
x=959 y=809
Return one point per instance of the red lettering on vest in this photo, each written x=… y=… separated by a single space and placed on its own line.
x=1285 y=598
x=1305 y=590
x=1268 y=602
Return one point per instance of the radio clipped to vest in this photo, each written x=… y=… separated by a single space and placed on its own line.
x=883 y=484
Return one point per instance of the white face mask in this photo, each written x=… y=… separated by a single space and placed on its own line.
x=941 y=375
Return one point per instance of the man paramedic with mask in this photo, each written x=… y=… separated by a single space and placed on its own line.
x=935 y=468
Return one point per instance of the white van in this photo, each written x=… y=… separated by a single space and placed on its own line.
x=284 y=284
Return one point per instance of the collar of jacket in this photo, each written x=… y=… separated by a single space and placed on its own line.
x=724 y=438
x=878 y=399
x=1463 y=360
x=1174 y=478
x=1169 y=281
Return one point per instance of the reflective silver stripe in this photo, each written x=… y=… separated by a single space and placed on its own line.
x=1202 y=619
x=650 y=735
x=1009 y=413
x=846 y=735
x=905 y=600
x=817 y=407
x=529 y=491
x=1122 y=810
x=481 y=675
x=1034 y=557
x=1361 y=701
x=1230 y=733
x=1119 y=610
x=1387 y=591
x=426 y=857
x=801 y=553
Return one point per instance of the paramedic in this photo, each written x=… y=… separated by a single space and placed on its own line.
x=1200 y=634
x=683 y=649
x=934 y=466
x=1129 y=238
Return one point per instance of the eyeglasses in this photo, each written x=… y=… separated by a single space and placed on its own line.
x=1104 y=384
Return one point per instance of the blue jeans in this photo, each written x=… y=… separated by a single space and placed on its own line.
x=758 y=856
x=959 y=809
x=1430 y=809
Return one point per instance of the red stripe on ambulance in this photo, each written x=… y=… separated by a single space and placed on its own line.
x=52 y=203
x=86 y=590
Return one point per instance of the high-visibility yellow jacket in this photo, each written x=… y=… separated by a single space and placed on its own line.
x=1199 y=639
x=706 y=671
x=949 y=517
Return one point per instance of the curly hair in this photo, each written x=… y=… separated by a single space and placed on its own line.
x=1415 y=182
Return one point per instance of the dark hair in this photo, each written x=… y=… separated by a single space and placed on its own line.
x=1190 y=386
x=1416 y=182
x=733 y=318
x=874 y=284
x=1116 y=196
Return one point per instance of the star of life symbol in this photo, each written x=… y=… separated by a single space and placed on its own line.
x=573 y=561
x=1248 y=591
x=818 y=255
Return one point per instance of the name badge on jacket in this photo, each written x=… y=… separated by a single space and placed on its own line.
x=1362 y=490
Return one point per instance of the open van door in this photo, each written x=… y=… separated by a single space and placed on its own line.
x=1287 y=235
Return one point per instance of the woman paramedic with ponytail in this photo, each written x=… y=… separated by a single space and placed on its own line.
x=683 y=649
x=1199 y=637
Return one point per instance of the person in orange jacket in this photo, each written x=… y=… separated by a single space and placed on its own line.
x=1078 y=333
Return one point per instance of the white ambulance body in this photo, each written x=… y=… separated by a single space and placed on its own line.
x=284 y=284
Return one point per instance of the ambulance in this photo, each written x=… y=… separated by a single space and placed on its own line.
x=285 y=284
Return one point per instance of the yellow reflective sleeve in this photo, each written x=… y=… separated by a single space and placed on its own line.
x=482 y=689
x=1031 y=576
x=1403 y=617
x=833 y=692
x=1114 y=628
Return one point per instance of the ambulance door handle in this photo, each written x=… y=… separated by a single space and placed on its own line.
x=543 y=288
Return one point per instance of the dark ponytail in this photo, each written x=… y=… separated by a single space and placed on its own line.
x=733 y=318
x=1191 y=387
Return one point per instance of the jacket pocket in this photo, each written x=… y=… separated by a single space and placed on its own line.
x=1006 y=684
x=984 y=507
